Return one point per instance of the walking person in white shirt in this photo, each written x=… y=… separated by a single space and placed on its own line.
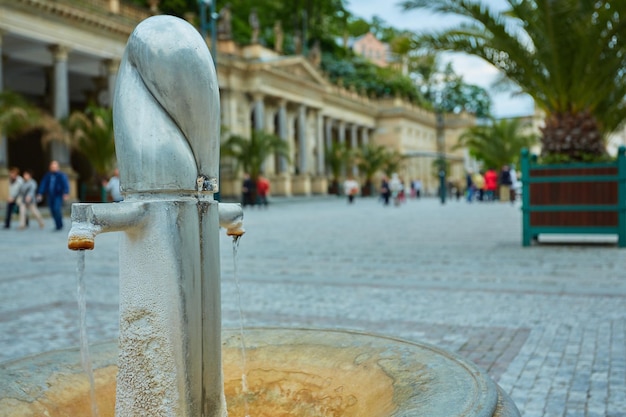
x=28 y=200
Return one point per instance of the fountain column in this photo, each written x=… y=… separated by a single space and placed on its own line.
x=166 y=109
x=166 y=119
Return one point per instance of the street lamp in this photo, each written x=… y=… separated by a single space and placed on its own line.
x=441 y=156
x=209 y=22
x=205 y=24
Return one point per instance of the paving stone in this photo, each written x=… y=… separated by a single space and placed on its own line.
x=547 y=322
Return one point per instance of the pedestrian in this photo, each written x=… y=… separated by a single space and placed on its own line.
x=28 y=200
x=479 y=182
x=506 y=185
x=396 y=188
x=418 y=188
x=402 y=192
x=247 y=191
x=491 y=184
x=112 y=186
x=56 y=187
x=385 y=192
x=262 y=189
x=457 y=192
x=514 y=184
x=470 y=187
x=350 y=188
x=15 y=183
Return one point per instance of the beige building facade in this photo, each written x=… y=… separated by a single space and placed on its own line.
x=372 y=49
x=62 y=54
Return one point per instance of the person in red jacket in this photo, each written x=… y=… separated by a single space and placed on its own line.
x=491 y=184
x=262 y=189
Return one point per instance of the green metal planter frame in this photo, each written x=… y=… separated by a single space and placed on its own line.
x=580 y=198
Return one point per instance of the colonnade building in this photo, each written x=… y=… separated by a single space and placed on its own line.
x=63 y=54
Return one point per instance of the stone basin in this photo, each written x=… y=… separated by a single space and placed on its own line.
x=289 y=372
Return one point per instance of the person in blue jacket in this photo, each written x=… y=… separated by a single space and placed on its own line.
x=56 y=187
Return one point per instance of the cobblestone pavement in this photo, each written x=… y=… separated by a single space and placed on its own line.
x=546 y=322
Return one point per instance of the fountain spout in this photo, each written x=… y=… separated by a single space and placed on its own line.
x=89 y=220
x=231 y=219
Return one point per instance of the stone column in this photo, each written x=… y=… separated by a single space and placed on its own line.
x=259 y=117
x=282 y=131
x=114 y=6
x=3 y=140
x=353 y=147
x=59 y=151
x=301 y=183
x=342 y=141
x=342 y=133
x=321 y=160
x=282 y=180
x=302 y=140
x=365 y=135
x=259 y=112
x=269 y=165
x=319 y=184
x=60 y=100
x=328 y=132
x=111 y=65
x=4 y=146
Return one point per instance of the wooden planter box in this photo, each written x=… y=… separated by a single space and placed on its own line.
x=581 y=198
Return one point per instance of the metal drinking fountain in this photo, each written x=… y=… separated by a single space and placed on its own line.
x=166 y=115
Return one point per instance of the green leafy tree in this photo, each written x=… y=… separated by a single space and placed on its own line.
x=424 y=69
x=569 y=56
x=401 y=47
x=364 y=76
x=394 y=162
x=251 y=153
x=338 y=156
x=439 y=163
x=17 y=115
x=442 y=89
x=319 y=19
x=458 y=96
x=370 y=159
x=357 y=27
x=90 y=132
x=172 y=7
x=497 y=143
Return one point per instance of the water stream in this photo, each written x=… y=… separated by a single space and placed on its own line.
x=85 y=356
x=244 y=382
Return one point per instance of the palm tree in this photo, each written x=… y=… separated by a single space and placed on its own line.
x=568 y=55
x=251 y=153
x=393 y=162
x=90 y=132
x=370 y=159
x=338 y=156
x=498 y=143
x=17 y=114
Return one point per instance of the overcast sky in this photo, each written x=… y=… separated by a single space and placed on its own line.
x=474 y=70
